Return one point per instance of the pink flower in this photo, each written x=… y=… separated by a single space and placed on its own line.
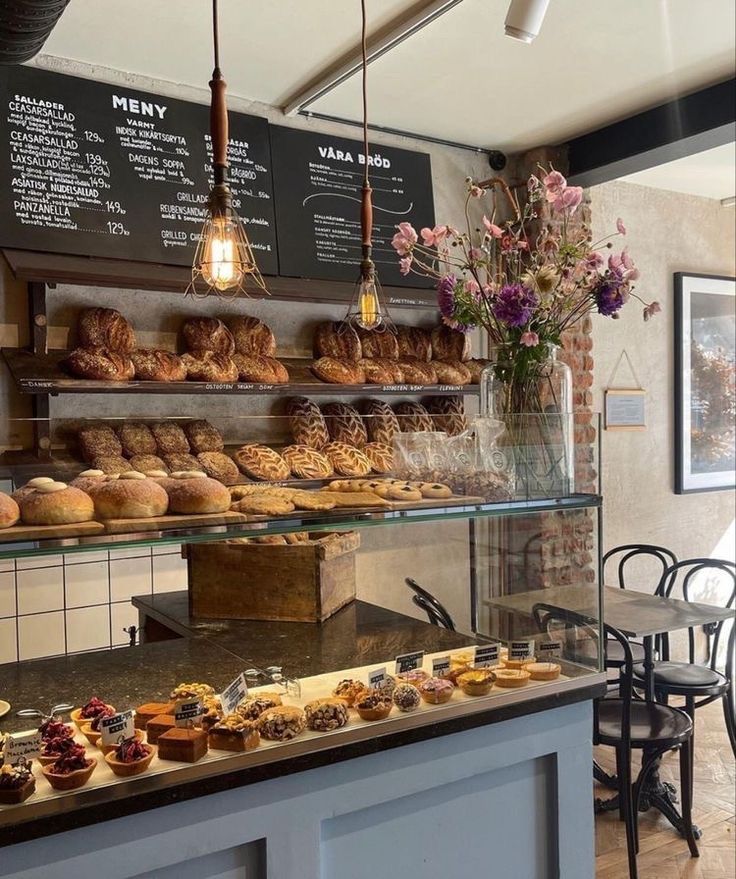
x=475 y=253
x=476 y=191
x=405 y=264
x=594 y=260
x=620 y=226
x=652 y=309
x=530 y=339
x=472 y=286
x=568 y=199
x=405 y=239
x=433 y=237
x=554 y=184
x=492 y=228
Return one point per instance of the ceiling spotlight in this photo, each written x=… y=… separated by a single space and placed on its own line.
x=524 y=19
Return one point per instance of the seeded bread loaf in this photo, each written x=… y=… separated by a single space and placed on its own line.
x=210 y=366
x=148 y=463
x=252 y=336
x=105 y=328
x=476 y=365
x=449 y=344
x=379 y=343
x=451 y=372
x=376 y=372
x=203 y=437
x=338 y=340
x=170 y=438
x=179 y=461
x=261 y=369
x=218 y=465
x=98 y=439
x=339 y=372
x=157 y=365
x=99 y=364
x=416 y=372
x=208 y=334
x=136 y=439
x=414 y=343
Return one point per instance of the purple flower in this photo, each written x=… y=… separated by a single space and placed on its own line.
x=611 y=294
x=515 y=304
x=446 y=296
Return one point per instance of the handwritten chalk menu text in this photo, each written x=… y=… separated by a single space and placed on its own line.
x=95 y=169
x=318 y=180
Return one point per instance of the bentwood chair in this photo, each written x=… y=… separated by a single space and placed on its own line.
x=698 y=682
x=436 y=612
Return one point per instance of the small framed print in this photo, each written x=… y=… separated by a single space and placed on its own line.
x=705 y=383
x=625 y=409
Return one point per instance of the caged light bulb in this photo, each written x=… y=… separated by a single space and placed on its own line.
x=221 y=264
x=369 y=307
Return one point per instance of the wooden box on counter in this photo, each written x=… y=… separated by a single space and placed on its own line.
x=303 y=582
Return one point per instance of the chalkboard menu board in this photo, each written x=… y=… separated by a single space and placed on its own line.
x=103 y=170
x=318 y=180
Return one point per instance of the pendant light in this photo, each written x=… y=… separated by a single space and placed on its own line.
x=366 y=310
x=223 y=263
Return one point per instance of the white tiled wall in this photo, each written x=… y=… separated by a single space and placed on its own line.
x=71 y=603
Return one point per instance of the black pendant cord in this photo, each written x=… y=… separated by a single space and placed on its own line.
x=216 y=38
x=366 y=181
x=367 y=268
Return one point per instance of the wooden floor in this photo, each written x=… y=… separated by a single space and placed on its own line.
x=663 y=854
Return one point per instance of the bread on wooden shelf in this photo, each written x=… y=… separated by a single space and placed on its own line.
x=99 y=364
x=208 y=334
x=413 y=416
x=377 y=372
x=449 y=344
x=380 y=455
x=306 y=422
x=448 y=414
x=111 y=465
x=344 y=424
x=170 y=438
x=307 y=463
x=476 y=365
x=218 y=465
x=380 y=421
x=147 y=463
x=128 y=498
x=210 y=366
x=338 y=340
x=136 y=439
x=98 y=439
x=105 y=328
x=379 y=343
x=417 y=372
x=414 y=343
x=192 y=494
x=451 y=372
x=157 y=365
x=9 y=511
x=260 y=368
x=203 y=436
x=347 y=460
x=261 y=462
x=181 y=461
x=252 y=336
x=338 y=372
x=56 y=503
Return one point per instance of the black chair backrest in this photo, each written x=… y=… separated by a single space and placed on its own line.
x=436 y=612
x=685 y=573
x=549 y=619
x=630 y=551
x=625 y=684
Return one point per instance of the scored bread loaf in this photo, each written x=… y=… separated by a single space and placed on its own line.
x=170 y=438
x=203 y=437
x=157 y=365
x=99 y=364
x=414 y=343
x=347 y=460
x=451 y=372
x=380 y=455
x=448 y=414
x=98 y=439
x=261 y=369
x=210 y=366
x=208 y=334
x=413 y=417
x=338 y=340
x=307 y=424
x=136 y=439
x=105 y=328
x=338 y=372
x=261 y=462
x=307 y=463
x=416 y=372
x=380 y=422
x=449 y=344
x=252 y=336
x=376 y=372
x=344 y=424
x=476 y=365
x=379 y=343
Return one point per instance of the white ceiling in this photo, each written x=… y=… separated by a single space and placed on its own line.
x=460 y=78
x=711 y=174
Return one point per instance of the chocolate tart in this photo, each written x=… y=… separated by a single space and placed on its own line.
x=373 y=707
x=144 y=713
x=11 y=796
x=187 y=745
x=157 y=726
x=127 y=770
x=69 y=780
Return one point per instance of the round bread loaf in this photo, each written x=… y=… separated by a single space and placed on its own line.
x=261 y=462
x=181 y=461
x=252 y=336
x=414 y=343
x=218 y=465
x=66 y=505
x=99 y=364
x=376 y=372
x=111 y=464
x=380 y=421
x=210 y=366
x=157 y=365
x=338 y=340
x=9 y=511
x=346 y=460
x=130 y=499
x=170 y=438
x=379 y=343
x=476 y=365
x=98 y=439
x=451 y=372
x=416 y=372
x=449 y=344
x=307 y=463
x=344 y=424
x=106 y=328
x=307 y=424
x=146 y=463
x=448 y=414
x=413 y=417
x=208 y=334
x=192 y=496
x=137 y=439
x=261 y=369
x=380 y=455
x=338 y=372
x=203 y=437
x=89 y=480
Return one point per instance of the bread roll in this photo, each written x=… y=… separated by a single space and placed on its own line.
x=307 y=424
x=9 y=511
x=414 y=343
x=339 y=372
x=380 y=422
x=451 y=372
x=252 y=336
x=130 y=499
x=170 y=438
x=137 y=439
x=203 y=437
x=98 y=439
x=338 y=340
x=157 y=365
x=344 y=424
x=208 y=334
x=106 y=328
x=449 y=344
x=65 y=506
x=99 y=364
x=379 y=343
x=210 y=366
x=194 y=496
x=257 y=368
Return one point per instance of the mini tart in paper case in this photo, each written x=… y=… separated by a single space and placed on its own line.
x=373 y=705
x=476 y=681
x=543 y=671
x=512 y=677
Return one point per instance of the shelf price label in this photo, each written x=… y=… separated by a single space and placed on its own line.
x=440 y=666
x=408 y=661
x=377 y=678
x=549 y=649
x=187 y=712
x=234 y=694
x=117 y=728
x=486 y=656
x=22 y=747
x=521 y=649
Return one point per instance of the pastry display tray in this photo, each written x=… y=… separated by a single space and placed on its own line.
x=41 y=374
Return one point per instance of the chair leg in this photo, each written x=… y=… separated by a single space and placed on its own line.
x=728 y=712
x=686 y=786
x=690 y=711
x=630 y=817
x=621 y=810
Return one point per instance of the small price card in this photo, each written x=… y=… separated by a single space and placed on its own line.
x=117 y=728
x=377 y=678
x=521 y=649
x=187 y=711
x=440 y=666
x=549 y=649
x=20 y=746
x=486 y=656
x=234 y=694
x=408 y=661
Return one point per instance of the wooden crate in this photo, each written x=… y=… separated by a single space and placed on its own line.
x=304 y=582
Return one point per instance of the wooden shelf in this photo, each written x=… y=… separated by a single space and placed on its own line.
x=42 y=374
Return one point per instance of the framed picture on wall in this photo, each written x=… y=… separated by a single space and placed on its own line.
x=705 y=382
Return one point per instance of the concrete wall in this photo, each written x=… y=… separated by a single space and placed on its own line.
x=667 y=232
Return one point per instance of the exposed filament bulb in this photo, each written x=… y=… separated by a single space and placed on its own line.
x=369 y=307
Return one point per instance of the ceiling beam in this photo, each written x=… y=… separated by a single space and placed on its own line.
x=683 y=127
x=388 y=37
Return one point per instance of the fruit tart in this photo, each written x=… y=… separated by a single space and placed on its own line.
x=91 y=730
x=55 y=748
x=131 y=757
x=88 y=712
x=53 y=728
x=70 y=771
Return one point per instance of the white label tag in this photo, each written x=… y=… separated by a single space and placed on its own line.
x=234 y=694
x=440 y=666
x=409 y=661
x=117 y=728
x=20 y=746
x=377 y=678
x=187 y=711
x=521 y=649
x=548 y=649
x=486 y=656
